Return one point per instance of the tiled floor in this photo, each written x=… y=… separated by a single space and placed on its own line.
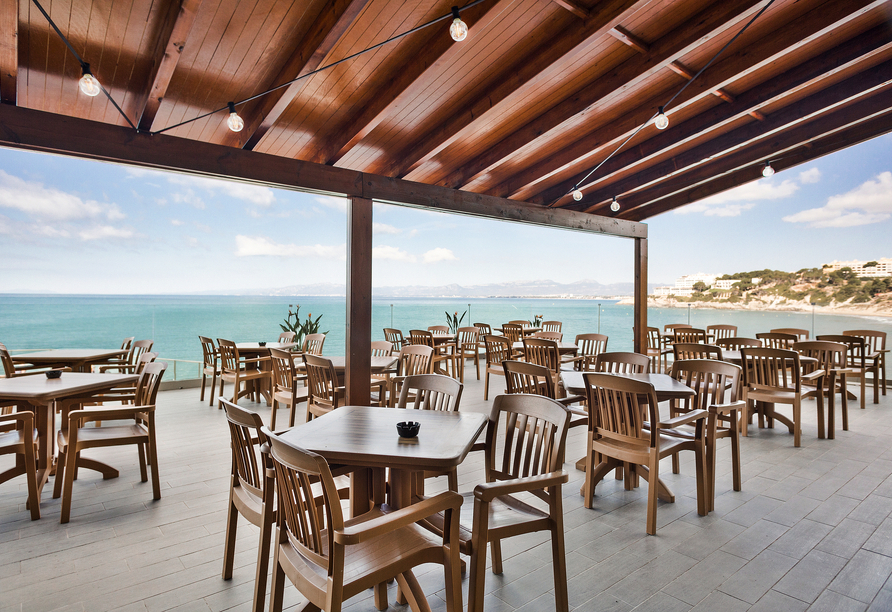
x=811 y=530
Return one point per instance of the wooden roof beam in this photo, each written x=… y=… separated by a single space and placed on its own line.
x=329 y=27
x=171 y=39
x=776 y=44
x=9 y=50
x=627 y=38
x=823 y=145
x=851 y=89
x=539 y=60
x=713 y=21
x=574 y=7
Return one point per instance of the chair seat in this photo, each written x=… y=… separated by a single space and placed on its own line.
x=13 y=438
x=95 y=436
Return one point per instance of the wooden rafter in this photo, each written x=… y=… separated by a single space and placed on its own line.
x=168 y=49
x=9 y=50
x=714 y=21
x=330 y=26
x=575 y=8
x=627 y=38
x=540 y=59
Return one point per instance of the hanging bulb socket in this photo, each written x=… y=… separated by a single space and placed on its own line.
x=459 y=29
x=614 y=206
x=661 y=120
x=577 y=194
x=767 y=170
x=235 y=123
x=88 y=84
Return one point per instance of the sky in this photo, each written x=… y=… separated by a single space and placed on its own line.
x=69 y=225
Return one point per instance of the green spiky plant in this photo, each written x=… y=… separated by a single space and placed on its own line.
x=301 y=330
x=454 y=321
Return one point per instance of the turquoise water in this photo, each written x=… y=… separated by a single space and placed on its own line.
x=175 y=322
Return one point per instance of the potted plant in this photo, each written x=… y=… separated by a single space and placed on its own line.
x=300 y=329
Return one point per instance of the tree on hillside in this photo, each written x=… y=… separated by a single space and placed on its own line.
x=700 y=287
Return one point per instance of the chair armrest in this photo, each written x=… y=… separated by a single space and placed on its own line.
x=366 y=530
x=254 y=360
x=488 y=491
x=683 y=419
x=813 y=375
x=25 y=417
x=727 y=408
x=108 y=414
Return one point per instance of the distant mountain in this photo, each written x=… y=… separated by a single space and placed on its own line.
x=534 y=288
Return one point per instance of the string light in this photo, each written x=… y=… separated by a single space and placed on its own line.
x=614 y=206
x=89 y=85
x=767 y=170
x=661 y=120
x=234 y=122
x=459 y=29
x=577 y=194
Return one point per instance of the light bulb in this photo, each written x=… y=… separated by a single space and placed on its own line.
x=767 y=170
x=661 y=120
x=89 y=85
x=577 y=194
x=234 y=122
x=459 y=29
x=614 y=206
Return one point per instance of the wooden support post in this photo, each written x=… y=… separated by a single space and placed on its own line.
x=640 y=314
x=359 y=302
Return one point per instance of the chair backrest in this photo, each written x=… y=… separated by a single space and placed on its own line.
x=283 y=369
x=771 y=369
x=542 y=352
x=127 y=342
x=875 y=340
x=551 y=326
x=484 y=328
x=513 y=331
x=322 y=384
x=6 y=360
x=735 y=343
x=690 y=335
x=415 y=359
x=382 y=348
x=248 y=463
x=421 y=337
x=430 y=392
x=138 y=348
x=777 y=340
x=721 y=331
x=549 y=335
x=801 y=334
x=498 y=349
x=395 y=337
x=466 y=338
x=530 y=378
x=621 y=363
x=520 y=322
x=148 y=384
x=829 y=355
x=670 y=328
x=208 y=352
x=618 y=407
x=856 y=348
x=313 y=344
x=711 y=380
x=590 y=346
x=287 y=336
x=145 y=358
x=695 y=350
x=535 y=435
x=654 y=338
x=438 y=330
x=229 y=358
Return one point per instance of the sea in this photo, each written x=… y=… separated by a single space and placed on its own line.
x=174 y=322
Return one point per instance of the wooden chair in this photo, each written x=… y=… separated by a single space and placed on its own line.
x=498 y=349
x=324 y=394
x=237 y=370
x=485 y=329
x=696 y=350
x=536 y=379
x=658 y=351
x=313 y=344
x=18 y=437
x=774 y=376
x=713 y=381
x=414 y=359
x=252 y=492
x=618 y=408
x=621 y=363
x=513 y=332
x=590 y=346
x=529 y=462
x=801 y=334
x=330 y=560
x=285 y=337
x=777 y=340
x=831 y=357
x=125 y=346
x=443 y=352
x=519 y=322
x=670 y=328
x=545 y=353
x=285 y=388
x=210 y=367
x=717 y=332
x=380 y=383
x=129 y=366
x=690 y=335
x=857 y=363
x=549 y=335
x=736 y=343
x=438 y=330
x=875 y=341
x=395 y=337
x=551 y=326
x=467 y=341
x=76 y=437
x=11 y=370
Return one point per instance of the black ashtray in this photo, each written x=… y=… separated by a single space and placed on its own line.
x=408 y=429
x=262 y=343
x=54 y=373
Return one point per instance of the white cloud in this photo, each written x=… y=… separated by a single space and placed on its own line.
x=189 y=197
x=258 y=246
x=336 y=203
x=104 y=231
x=389 y=252
x=35 y=200
x=254 y=194
x=49 y=231
x=383 y=228
x=176 y=222
x=734 y=201
x=728 y=210
x=871 y=202
x=439 y=254
x=812 y=175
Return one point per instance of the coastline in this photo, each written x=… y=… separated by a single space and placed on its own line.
x=882 y=309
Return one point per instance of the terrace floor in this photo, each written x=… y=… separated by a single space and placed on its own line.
x=811 y=530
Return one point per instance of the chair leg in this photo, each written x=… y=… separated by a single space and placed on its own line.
x=143 y=474
x=229 y=541
x=68 y=485
x=486 y=386
x=495 y=552
x=705 y=489
x=153 y=460
x=797 y=422
x=735 y=452
x=653 y=484
x=31 y=476
x=213 y=385
x=204 y=379
x=60 y=473
x=266 y=529
x=272 y=419
x=559 y=556
x=477 y=579
x=278 y=589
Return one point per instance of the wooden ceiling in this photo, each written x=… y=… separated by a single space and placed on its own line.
x=539 y=93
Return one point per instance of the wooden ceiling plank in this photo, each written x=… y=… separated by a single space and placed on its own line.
x=573 y=7
x=380 y=103
x=330 y=26
x=713 y=21
x=172 y=38
x=9 y=50
x=23 y=128
x=853 y=88
x=627 y=38
x=540 y=59
x=823 y=145
x=782 y=41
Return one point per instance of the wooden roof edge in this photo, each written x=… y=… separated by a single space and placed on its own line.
x=34 y=130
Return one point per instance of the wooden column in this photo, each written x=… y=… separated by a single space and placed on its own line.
x=639 y=319
x=359 y=302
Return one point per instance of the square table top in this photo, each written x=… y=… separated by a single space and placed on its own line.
x=40 y=390
x=366 y=436
x=72 y=355
x=665 y=386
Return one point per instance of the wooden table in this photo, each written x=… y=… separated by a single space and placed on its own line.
x=527 y=331
x=79 y=360
x=40 y=393
x=665 y=387
x=253 y=349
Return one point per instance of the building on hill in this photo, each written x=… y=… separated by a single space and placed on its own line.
x=878 y=268
x=684 y=286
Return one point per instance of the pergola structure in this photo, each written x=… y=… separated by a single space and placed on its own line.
x=504 y=124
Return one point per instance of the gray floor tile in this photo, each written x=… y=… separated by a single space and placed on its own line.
x=834 y=602
x=772 y=601
x=863 y=576
x=809 y=577
x=758 y=576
